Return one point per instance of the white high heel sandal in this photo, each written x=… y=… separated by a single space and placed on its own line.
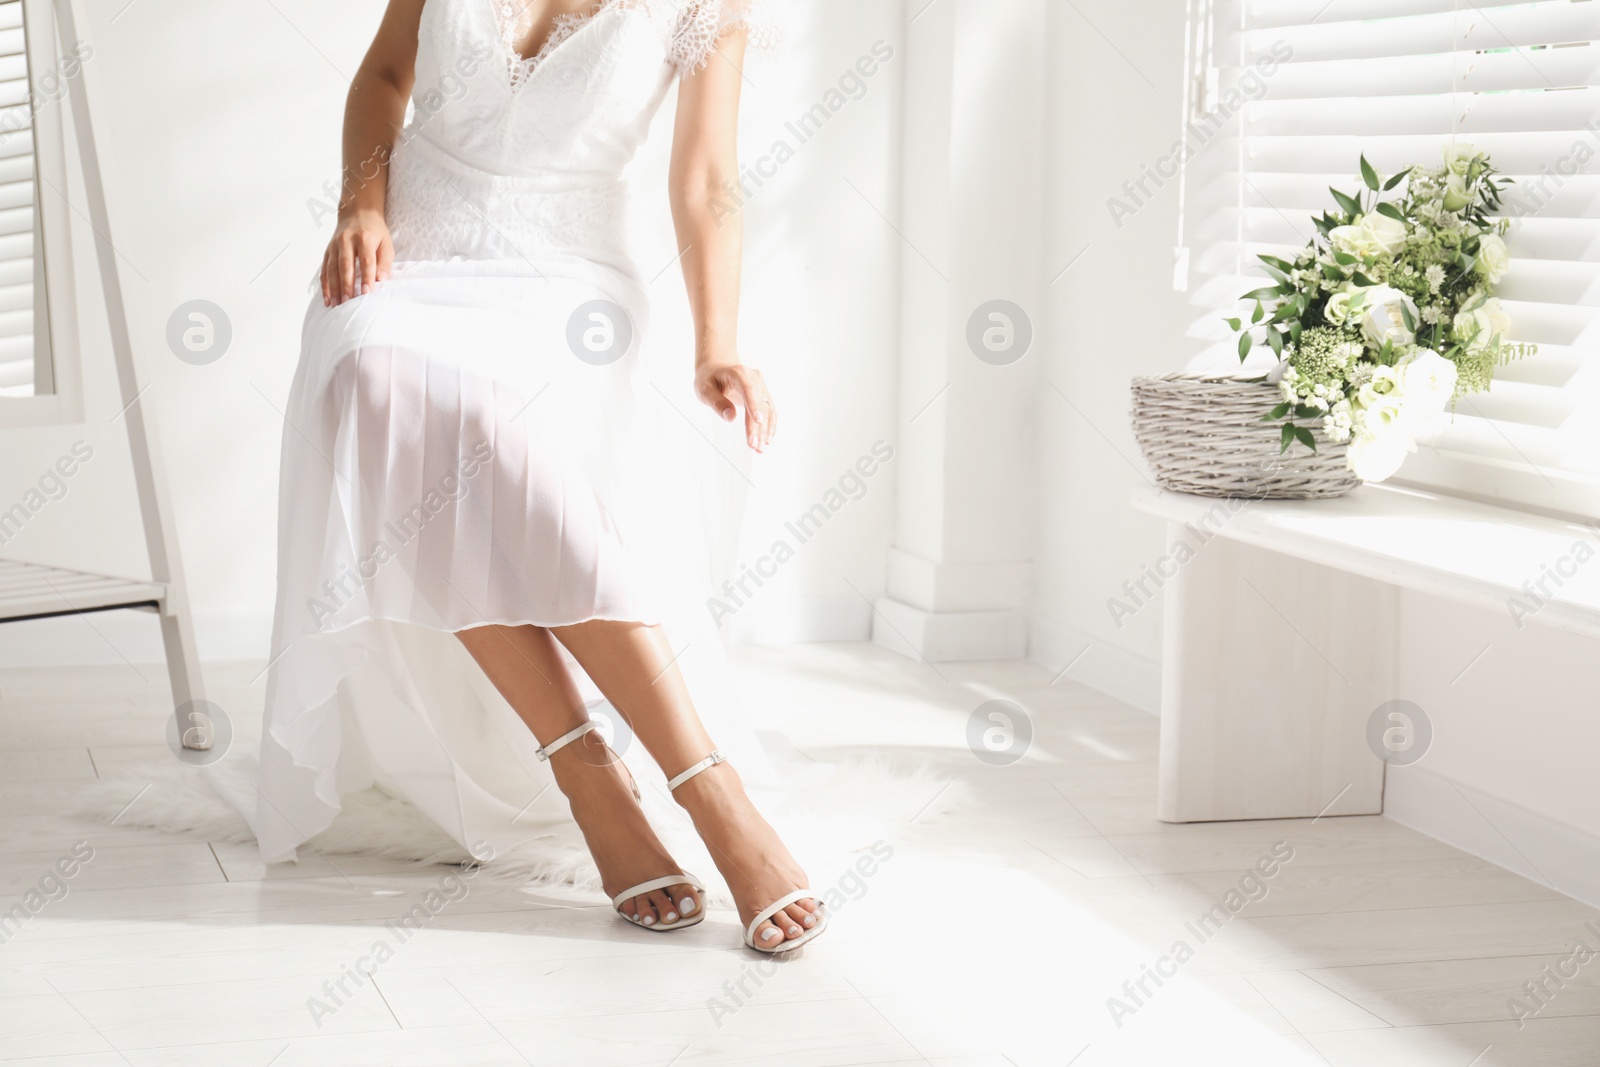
x=786 y=944
x=683 y=922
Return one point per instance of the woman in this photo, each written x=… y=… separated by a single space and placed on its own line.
x=469 y=451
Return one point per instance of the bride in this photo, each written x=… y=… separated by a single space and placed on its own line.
x=472 y=481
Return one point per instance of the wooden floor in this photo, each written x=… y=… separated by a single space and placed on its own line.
x=997 y=935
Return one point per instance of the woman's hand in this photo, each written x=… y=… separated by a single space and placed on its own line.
x=727 y=386
x=358 y=257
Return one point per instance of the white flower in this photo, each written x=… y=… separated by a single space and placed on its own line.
x=1388 y=232
x=1381 y=398
x=1384 y=319
x=1435 y=278
x=1456 y=193
x=1338 y=310
x=1370 y=235
x=1338 y=422
x=1482 y=323
x=1427 y=381
x=1374 y=457
x=1493 y=259
x=1458 y=158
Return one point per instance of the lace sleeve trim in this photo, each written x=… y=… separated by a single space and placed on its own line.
x=701 y=23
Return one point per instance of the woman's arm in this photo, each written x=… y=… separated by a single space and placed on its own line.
x=361 y=252
x=704 y=162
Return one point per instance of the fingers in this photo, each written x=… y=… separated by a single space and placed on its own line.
x=758 y=409
x=347 y=269
x=739 y=388
x=385 y=258
x=356 y=261
x=367 y=260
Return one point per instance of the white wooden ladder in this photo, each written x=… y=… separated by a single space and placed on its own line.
x=30 y=591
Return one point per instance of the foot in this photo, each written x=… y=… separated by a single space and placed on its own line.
x=746 y=849
x=624 y=847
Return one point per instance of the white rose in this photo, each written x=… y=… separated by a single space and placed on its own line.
x=1389 y=233
x=1370 y=235
x=1338 y=310
x=1456 y=193
x=1374 y=457
x=1458 y=158
x=1354 y=239
x=1384 y=319
x=1482 y=323
x=1427 y=380
x=1381 y=402
x=1493 y=258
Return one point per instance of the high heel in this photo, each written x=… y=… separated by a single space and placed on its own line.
x=680 y=878
x=785 y=945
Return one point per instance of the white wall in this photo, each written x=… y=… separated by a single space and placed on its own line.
x=1510 y=776
x=219 y=122
x=1114 y=98
x=1515 y=721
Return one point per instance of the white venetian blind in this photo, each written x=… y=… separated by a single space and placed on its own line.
x=24 y=363
x=1397 y=80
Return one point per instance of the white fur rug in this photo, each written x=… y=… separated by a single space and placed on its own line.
x=824 y=812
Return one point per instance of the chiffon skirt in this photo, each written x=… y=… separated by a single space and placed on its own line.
x=450 y=461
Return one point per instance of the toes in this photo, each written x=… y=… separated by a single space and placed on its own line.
x=687 y=898
x=661 y=905
x=630 y=908
x=768 y=935
x=794 y=921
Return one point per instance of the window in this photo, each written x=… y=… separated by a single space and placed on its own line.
x=25 y=367
x=1285 y=95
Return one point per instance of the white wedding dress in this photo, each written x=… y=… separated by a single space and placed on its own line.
x=473 y=442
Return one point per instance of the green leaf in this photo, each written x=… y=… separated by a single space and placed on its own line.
x=1369 y=175
x=1345 y=259
x=1244 y=346
x=1275 y=339
x=1234 y=324
x=1264 y=294
x=1386 y=208
x=1306 y=411
x=1258 y=314
x=1410 y=319
x=1348 y=204
x=1305 y=437
x=1286 y=438
x=1294 y=332
x=1394 y=182
x=1362 y=280
x=1276 y=413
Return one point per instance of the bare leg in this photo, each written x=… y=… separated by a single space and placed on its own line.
x=634 y=666
x=525 y=666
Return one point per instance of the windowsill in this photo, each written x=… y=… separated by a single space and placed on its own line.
x=1448 y=546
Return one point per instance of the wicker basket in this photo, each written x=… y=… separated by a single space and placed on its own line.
x=1205 y=435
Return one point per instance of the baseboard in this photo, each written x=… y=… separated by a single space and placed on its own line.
x=948 y=636
x=1532 y=845
x=1117 y=672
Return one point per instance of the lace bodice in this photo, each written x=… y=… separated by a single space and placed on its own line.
x=507 y=157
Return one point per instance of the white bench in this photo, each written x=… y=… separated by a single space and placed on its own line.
x=1282 y=632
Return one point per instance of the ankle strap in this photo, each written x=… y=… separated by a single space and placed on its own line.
x=710 y=761
x=566 y=739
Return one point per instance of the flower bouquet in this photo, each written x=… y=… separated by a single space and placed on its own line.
x=1388 y=315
